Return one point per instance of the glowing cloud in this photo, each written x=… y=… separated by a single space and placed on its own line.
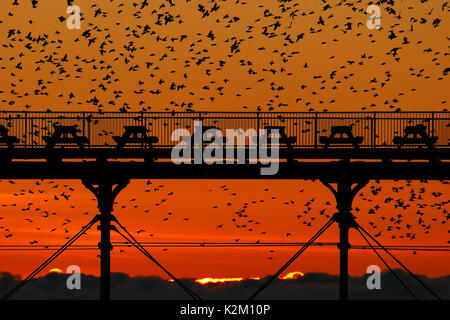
x=217 y=280
x=293 y=275
x=222 y=280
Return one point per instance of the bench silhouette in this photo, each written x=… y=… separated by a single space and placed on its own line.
x=6 y=138
x=345 y=137
x=288 y=141
x=135 y=134
x=283 y=138
x=65 y=135
x=416 y=135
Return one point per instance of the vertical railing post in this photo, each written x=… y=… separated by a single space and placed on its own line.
x=315 y=130
x=431 y=126
x=142 y=125
x=257 y=134
x=26 y=128
x=30 y=131
x=84 y=124
x=89 y=130
x=372 y=129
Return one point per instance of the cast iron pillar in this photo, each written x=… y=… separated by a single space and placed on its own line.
x=105 y=191
x=344 y=195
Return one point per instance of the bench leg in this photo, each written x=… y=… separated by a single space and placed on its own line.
x=290 y=149
x=50 y=144
x=76 y=138
x=52 y=141
x=327 y=144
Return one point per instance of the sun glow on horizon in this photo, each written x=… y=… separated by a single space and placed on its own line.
x=218 y=280
x=293 y=275
x=221 y=280
x=56 y=270
x=290 y=276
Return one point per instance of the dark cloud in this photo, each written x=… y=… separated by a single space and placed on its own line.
x=311 y=286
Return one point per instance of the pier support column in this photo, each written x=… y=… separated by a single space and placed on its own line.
x=344 y=195
x=106 y=191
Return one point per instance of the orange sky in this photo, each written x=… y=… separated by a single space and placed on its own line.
x=207 y=206
x=355 y=58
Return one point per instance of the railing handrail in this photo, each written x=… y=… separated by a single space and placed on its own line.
x=374 y=128
x=312 y=113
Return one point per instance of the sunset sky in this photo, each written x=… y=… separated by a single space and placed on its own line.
x=117 y=61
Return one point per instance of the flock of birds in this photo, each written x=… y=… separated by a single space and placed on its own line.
x=399 y=211
x=149 y=57
x=135 y=55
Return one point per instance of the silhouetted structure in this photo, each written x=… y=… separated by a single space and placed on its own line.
x=105 y=151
